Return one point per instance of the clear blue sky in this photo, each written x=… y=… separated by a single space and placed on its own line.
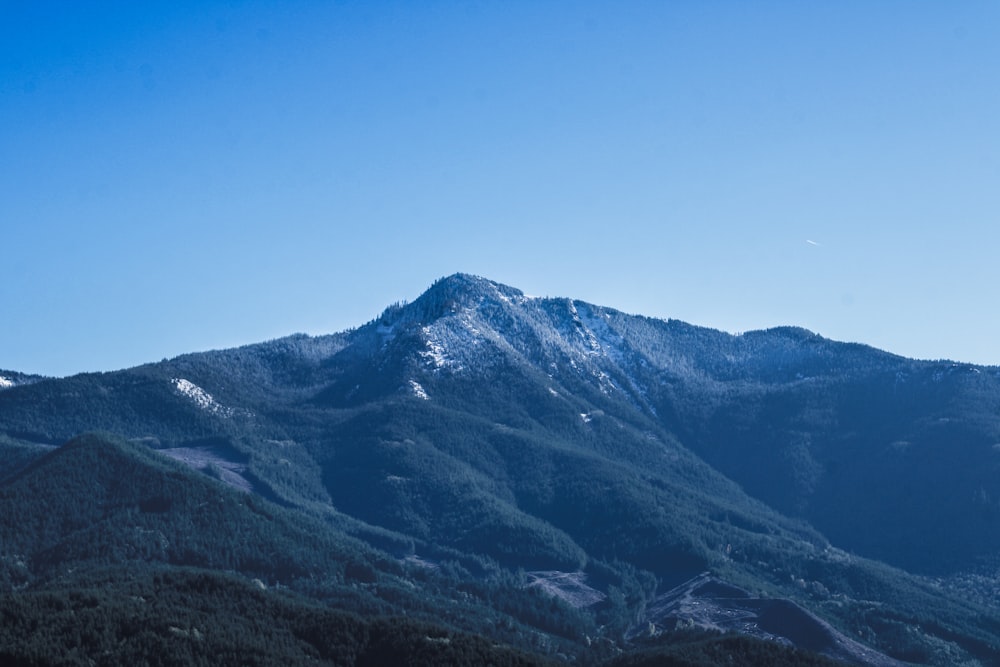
x=180 y=176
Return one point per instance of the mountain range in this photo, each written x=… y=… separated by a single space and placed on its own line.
x=483 y=476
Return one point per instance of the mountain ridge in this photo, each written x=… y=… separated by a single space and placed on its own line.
x=503 y=433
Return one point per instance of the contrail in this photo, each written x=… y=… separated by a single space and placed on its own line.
x=811 y=242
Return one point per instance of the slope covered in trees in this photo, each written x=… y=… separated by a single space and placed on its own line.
x=439 y=460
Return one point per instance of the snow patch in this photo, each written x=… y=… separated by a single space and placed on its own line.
x=599 y=335
x=553 y=392
x=606 y=384
x=585 y=416
x=435 y=352
x=200 y=397
x=6 y=383
x=418 y=390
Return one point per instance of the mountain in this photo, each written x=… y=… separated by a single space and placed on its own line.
x=539 y=472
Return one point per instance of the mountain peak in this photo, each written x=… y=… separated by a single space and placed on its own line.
x=461 y=290
x=459 y=281
x=466 y=286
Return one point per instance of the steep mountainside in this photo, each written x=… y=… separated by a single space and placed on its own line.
x=523 y=452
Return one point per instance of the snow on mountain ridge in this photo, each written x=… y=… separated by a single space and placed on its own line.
x=470 y=323
x=602 y=338
x=467 y=322
x=200 y=397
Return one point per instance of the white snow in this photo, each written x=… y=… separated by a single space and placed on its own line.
x=435 y=352
x=553 y=392
x=606 y=384
x=586 y=417
x=200 y=397
x=600 y=336
x=445 y=343
x=6 y=383
x=418 y=390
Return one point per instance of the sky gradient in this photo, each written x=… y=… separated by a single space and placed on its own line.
x=184 y=176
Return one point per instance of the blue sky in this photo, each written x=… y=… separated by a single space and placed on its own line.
x=192 y=175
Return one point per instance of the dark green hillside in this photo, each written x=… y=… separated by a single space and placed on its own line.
x=694 y=650
x=132 y=403
x=673 y=519
x=102 y=504
x=893 y=463
x=16 y=454
x=195 y=617
x=458 y=479
x=101 y=500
